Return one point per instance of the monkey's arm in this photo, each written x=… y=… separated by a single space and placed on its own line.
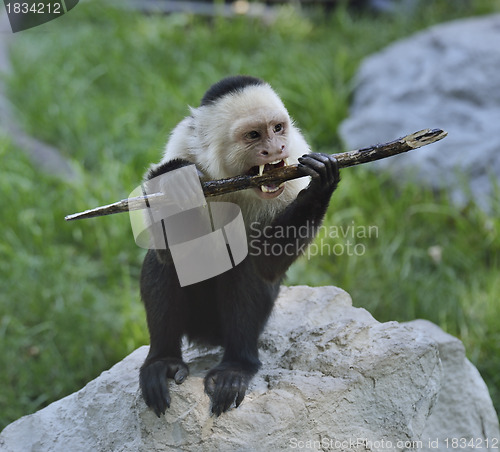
x=306 y=212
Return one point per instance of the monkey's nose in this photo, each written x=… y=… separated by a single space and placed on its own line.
x=273 y=153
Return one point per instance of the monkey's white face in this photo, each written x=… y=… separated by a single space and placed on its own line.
x=247 y=133
x=259 y=143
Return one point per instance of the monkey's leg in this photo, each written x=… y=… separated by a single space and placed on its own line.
x=165 y=311
x=245 y=302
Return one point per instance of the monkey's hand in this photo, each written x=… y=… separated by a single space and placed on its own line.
x=324 y=172
x=153 y=381
x=225 y=384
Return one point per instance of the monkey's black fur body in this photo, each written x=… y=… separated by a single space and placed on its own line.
x=230 y=309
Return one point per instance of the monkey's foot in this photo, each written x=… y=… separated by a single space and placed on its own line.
x=225 y=384
x=153 y=380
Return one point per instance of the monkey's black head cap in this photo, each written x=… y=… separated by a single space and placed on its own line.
x=227 y=86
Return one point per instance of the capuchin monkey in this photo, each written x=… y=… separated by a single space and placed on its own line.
x=240 y=127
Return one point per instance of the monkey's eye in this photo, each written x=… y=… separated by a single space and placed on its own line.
x=253 y=135
x=278 y=128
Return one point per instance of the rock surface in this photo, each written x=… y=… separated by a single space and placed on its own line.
x=445 y=77
x=460 y=411
x=333 y=378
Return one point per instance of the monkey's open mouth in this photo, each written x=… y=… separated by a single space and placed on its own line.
x=269 y=190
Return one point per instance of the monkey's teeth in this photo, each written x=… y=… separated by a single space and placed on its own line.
x=266 y=189
x=262 y=167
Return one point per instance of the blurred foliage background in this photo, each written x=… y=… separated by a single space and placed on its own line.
x=105 y=85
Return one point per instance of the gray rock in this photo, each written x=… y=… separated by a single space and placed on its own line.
x=333 y=378
x=445 y=77
x=464 y=406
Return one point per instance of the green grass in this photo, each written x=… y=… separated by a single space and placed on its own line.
x=105 y=86
x=69 y=295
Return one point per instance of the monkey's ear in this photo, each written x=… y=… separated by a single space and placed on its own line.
x=171 y=165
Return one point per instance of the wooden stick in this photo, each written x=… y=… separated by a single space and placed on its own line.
x=277 y=175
